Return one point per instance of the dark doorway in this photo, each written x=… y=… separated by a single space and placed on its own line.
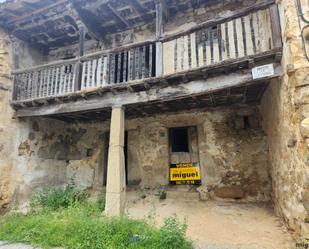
x=179 y=139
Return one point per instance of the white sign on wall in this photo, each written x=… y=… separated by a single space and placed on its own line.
x=263 y=71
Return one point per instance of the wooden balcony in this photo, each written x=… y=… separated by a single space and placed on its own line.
x=247 y=38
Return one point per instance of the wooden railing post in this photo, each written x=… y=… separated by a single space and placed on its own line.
x=15 y=66
x=159 y=35
x=275 y=26
x=78 y=65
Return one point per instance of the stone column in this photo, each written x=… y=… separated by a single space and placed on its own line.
x=116 y=183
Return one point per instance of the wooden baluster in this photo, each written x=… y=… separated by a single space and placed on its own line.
x=223 y=42
x=185 y=52
x=211 y=47
x=65 y=80
x=244 y=31
x=150 y=69
x=129 y=65
x=112 y=68
x=125 y=69
x=143 y=62
x=56 y=90
x=74 y=74
x=107 y=79
x=137 y=63
x=62 y=80
x=28 y=86
x=103 y=71
x=69 y=87
x=256 y=33
x=89 y=74
x=240 y=37
x=220 y=43
x=52 y=82
x=118 y=67
x=208 y=47
x=235 y=38
x=216 y=36
x=190 y=54
x=249 y=41
x=231 y=40
x=99 y=72
x=83 y=80
x=94 y=73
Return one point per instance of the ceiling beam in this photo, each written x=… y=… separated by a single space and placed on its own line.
x=118 y=16
x=37 y=12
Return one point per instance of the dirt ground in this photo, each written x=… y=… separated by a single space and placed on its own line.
x=215 y=224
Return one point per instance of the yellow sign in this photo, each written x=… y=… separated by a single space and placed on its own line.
x=185 y=173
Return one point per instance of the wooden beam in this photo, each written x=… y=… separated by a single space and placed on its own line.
x=159 y=20
x=119 y=17
x=189 y=89
x=36 y=12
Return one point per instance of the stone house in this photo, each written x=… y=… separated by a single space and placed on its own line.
x=146 y=94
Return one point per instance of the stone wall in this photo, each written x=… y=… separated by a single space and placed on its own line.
x=284 y=106
x=6 y=123
x=230 y=155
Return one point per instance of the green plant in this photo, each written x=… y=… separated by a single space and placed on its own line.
x=162 y=195
x=101 y=202
x=173 y=233
x=55 y=198
x=83 y=227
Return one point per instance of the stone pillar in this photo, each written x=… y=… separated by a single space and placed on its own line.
x=116 y=183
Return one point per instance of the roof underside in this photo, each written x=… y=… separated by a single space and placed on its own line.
x=49 y=23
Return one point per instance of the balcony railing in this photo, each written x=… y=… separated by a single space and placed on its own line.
x=245 y=34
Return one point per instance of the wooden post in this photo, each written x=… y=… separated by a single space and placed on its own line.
x=116 y=180
x=14 y=45
x=159 y=20
x=78 y=65
x=159 y=35
x=275 y=26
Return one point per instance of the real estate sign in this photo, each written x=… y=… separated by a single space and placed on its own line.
x=185 y=173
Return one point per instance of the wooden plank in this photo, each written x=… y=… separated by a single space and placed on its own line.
x=112 y=69
x=99 y=72
x=159 y=59
x=143 y=62
x=249 y=41
x=118 y=68
x=93 y=82
x=194 y=59
x=231 y=39
x=125 y=69
x=257 y=37
x=136 y=63
x=168 y=54
x=150 y=60
x=208 y=47
x=84 y=71
x=185 y=53
x=89 y=70
x=130 y=64
x=275 y=26
x=240 y=37
x=223 y=42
